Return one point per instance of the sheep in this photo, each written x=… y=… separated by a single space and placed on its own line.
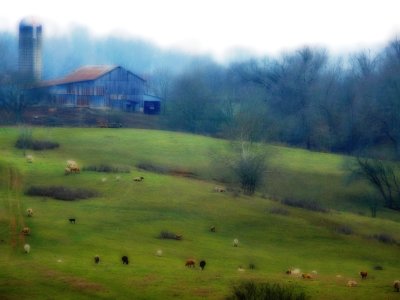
x=29 y=212
x=314 y=272
x=240 y=269
x=159 y=252
x=363 y=274
x=72 y=167
x=104 y=179
x=27 y=248
x=72 y=220
x=396 y=285
x=29 y=158
x=178 y=237
x=96 y=259
x=191 y=263
x=75 y=169
x=125 y=260
x=71 y=163
x=306 y=276
x=138 y=178
x=351 y=283
x=26 y=231
x=202 y=264
x=235 y=242
x=219 y=189
x=293 y=272
x=117 y=178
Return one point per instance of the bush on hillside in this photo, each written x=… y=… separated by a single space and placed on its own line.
x=169 y=235
x=30 y=143
x=147 y=166
x=250 y=290
x=106 y=168
x=309 y=205
x=61 y=192
x=384 y=238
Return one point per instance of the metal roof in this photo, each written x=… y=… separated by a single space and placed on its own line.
x=85 y=73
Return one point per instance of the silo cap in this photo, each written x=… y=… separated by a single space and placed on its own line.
x=30 y=21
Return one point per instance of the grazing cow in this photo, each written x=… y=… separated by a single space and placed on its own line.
x=289 y=272
x=351 y=283
x=306 y=276
x=219 y=189
x=125 y=260
x=396 y=285
x=29 y=212
x=212 y=229
x=190 y=263
x=235 y=242
x=138 y=178
x=26 y=231
x=27 y=248
x=72 y=220
x=178 y=237
x=363 y=274
x=202 y=264
x=96 y=259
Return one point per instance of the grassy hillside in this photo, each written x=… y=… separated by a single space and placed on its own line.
x=127 y=217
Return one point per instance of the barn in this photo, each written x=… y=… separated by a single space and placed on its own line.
x=103 y=87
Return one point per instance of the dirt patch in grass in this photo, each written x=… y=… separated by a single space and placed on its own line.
x=151 y=167
x=76 y=283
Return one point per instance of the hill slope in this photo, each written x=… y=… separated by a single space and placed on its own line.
x=127 y=218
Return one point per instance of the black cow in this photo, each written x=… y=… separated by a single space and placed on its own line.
x=72 y=220
x=96 y=259
x=202 y=264
x=125 y=260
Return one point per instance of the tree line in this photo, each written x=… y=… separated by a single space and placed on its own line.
x=304 y=98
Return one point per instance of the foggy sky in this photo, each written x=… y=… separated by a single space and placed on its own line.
x=219 y=26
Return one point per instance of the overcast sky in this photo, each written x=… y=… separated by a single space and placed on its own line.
x=218 y=26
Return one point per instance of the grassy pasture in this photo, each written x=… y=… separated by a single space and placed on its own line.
x=128 y=216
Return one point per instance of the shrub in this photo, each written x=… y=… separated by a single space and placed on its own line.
x=29 y=143
x=378 y=268
x=152 y=167
x=344 y=229
x=169 y=235
x=279 y=211
x=106 y=169
x=309 y=205
x=250 y=290
x=384 y=238
x=61 y=192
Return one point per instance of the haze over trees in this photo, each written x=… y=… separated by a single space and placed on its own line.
x=305 y=97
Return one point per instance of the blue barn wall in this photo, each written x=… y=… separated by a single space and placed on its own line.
x=117 y=89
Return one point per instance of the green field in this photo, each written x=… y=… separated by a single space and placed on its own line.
x=127 y=218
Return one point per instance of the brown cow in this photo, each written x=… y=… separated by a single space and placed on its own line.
x=191 y=263
x=396 y=285
x=363 y=274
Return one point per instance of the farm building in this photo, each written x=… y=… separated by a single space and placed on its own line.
x=104 y=87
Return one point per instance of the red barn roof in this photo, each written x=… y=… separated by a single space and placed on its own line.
x=85 y=73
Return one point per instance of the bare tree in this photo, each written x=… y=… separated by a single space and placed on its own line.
x=382 y=177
